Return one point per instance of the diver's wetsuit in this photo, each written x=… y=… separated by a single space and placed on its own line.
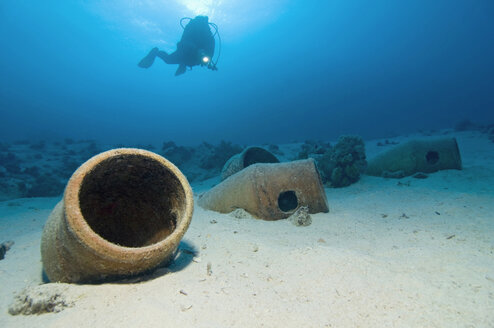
x=197 y=41
x=197 y=38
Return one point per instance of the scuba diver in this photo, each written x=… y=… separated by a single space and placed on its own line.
x=196 y=47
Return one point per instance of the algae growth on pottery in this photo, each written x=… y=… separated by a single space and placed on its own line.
x=123 y=212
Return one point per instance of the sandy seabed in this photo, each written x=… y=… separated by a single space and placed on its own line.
x=390 y=253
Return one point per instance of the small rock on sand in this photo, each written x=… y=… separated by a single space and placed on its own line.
x=240 y=213
x=41 y=299
x=4 y=247
x=301 y=217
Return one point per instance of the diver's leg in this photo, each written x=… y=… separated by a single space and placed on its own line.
x=180 y=70
x=173 y=58
x=147 y=61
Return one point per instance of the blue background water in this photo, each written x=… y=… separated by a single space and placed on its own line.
x=289 y=70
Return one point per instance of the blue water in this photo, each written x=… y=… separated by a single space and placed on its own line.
x=289 y=70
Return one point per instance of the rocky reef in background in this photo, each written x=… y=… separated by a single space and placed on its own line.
x=339 y=165
x=468 y=125
x=201 y=162
x=342 y=165
x=42 y=169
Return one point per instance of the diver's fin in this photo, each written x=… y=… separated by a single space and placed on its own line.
x=180 y=70
x=147 y=61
